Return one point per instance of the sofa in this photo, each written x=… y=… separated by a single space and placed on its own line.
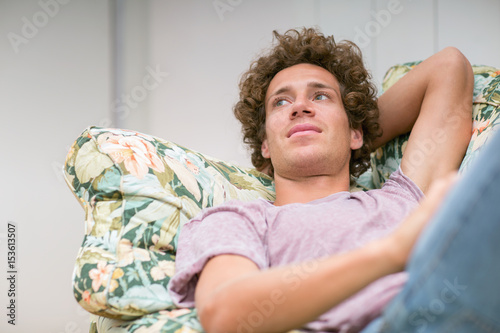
x=137 y=192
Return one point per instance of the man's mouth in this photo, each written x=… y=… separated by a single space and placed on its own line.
x=303 y=129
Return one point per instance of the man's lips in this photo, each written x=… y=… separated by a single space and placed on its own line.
x=303 y=128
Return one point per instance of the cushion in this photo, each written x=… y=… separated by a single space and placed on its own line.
x=485 y=114
x=163 y=321
x=137 y=192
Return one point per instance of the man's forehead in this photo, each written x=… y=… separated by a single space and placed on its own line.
x=303 y=73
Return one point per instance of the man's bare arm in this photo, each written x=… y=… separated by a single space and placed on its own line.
x=434 y=101
x=231 y=288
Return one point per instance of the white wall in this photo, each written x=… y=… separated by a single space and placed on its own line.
x=61 y=81
x=205 y=51
x=50 y=90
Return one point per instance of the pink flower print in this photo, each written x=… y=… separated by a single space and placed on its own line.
x=137 y=154
x=175 y=313
x=478 y=127
x=86 y=296
x=192 y=167
x=100 y=274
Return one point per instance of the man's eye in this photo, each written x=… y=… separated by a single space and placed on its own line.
x=280 y=102
x=320 y=97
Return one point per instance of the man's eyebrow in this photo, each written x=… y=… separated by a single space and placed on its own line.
x=320 y=85
x=279 y=91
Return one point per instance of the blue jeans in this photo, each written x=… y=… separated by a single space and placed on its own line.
x=454 y=271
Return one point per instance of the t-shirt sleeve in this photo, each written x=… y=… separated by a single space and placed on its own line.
x=394 y=201
x=402 y=185
x=233 y=228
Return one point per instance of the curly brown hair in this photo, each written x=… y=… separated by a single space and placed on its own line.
x=343 y=60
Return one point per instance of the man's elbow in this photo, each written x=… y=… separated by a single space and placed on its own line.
x=453 y=58
x=216 y=318
x=454 y=70
x=452 y=63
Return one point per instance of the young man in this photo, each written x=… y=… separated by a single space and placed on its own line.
x=319 y=257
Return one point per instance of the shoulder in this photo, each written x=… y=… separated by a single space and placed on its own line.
x=398 y=187
x=231 y=215
x=245 y=209
x=399 y=183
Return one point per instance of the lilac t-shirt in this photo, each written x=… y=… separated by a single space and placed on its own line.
x=278 y=235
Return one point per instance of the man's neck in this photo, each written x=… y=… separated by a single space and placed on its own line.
x=307 y=189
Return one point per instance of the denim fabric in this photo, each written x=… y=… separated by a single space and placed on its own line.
x=454 y=283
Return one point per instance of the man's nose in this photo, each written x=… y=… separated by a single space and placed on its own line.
x=302 y=107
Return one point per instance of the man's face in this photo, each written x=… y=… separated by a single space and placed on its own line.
x=307 y=129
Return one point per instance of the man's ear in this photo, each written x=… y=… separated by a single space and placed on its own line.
x=265 y=149
x=356 y=138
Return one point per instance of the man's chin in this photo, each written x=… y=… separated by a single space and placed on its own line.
x=308 y=166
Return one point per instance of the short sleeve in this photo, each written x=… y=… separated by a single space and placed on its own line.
x=233 y=228
x=401 y=185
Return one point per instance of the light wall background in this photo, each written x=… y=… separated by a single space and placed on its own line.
x=67 y=64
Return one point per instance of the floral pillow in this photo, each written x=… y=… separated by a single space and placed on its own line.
x=485 y=115
x=137 y=192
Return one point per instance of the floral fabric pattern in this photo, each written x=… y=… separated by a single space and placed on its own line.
x=138 y=191
x=485 y=115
